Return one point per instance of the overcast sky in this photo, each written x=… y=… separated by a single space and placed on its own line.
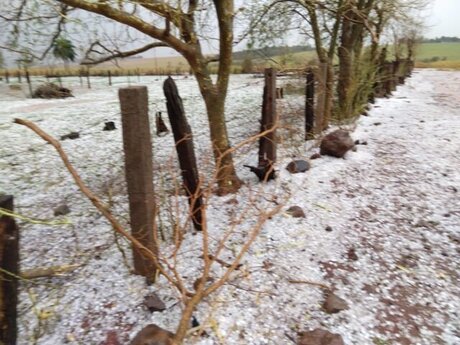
x=443 y=18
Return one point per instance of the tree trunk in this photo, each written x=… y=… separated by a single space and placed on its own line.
x=227 y=180
x=345 y=71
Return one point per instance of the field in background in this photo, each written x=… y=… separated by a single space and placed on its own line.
x=438 y=55
x=429 y=55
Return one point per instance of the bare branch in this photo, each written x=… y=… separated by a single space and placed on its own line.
x=117 y=54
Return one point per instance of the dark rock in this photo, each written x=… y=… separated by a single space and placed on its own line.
x=354 y=149
x=334 y=304
x=357 y=142
x=351 y=254
x=264 y=173
x=61 y=210
x=315 y=156
x=154 y=303
x=337 y=143
x=162 y=129
x=195 y=322
x=328 y=228
x=364 y=143
x=296 y=212
x=377 y=123
x=50 y=90
x=111 y=339
x=71 y=135
x=198 y=281
x=109 y=126
x=298 y=166
x=232 y=201
x=153 y=335
x=320 y=337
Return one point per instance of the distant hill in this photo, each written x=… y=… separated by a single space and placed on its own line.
x=442 y=39
x=270 y=52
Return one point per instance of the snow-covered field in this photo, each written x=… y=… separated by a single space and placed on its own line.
x=393 y=208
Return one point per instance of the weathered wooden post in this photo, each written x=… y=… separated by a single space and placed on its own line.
x=267 y=143
x=109 y=74
x=388 y=78
x=310 y=105
x=29 y=83
x=138 y=72
x=18 y=75
x=137 y=146
x=9 y=263
x=321 y=98
x=88 y=81
x=7 y=77
x=185 y=151
x=396 y=66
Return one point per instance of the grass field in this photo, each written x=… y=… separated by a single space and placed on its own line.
x=439 y=55
x=429 y=55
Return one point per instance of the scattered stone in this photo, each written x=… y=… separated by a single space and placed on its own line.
x=320 y=337
x=364 y=143
x=377 y=123
x=154 y=303
x=315 y=156
x=408 y=260
x=328 y=228
x=109 y=126
x=263 y=172
x=71 y=136
x=357 y=142
x=50 y=90
x=354 y=149
x=153 y=335
x=232 y=201
x=296 y=212
x=61 y=210
x=198 y=281
x=337 y=143
x=298 y=166
x=162 y=129
x=195 y=322
x=426 y=223
x=351 y=254
x=111 y=339
x=334 y=304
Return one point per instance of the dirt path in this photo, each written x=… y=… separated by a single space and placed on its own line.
x=404 y=220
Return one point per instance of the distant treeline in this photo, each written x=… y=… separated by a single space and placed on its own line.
x=269 y=52
x=442 y=39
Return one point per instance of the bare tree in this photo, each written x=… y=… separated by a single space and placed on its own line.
x=169 y=23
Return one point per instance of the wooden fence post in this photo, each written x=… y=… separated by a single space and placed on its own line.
x=88 y=81
x=321 y=98
x=29 y=83
x=7 y=77
x=388 y=78
x=9 y=262
x=137 y=146
x=267 y=143
x=109 y=74
x=18 y=75
x=58 y=75
x=309 y=105
x=185 y=151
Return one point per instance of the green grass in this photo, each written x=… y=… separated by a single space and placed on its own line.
x=439 y=55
